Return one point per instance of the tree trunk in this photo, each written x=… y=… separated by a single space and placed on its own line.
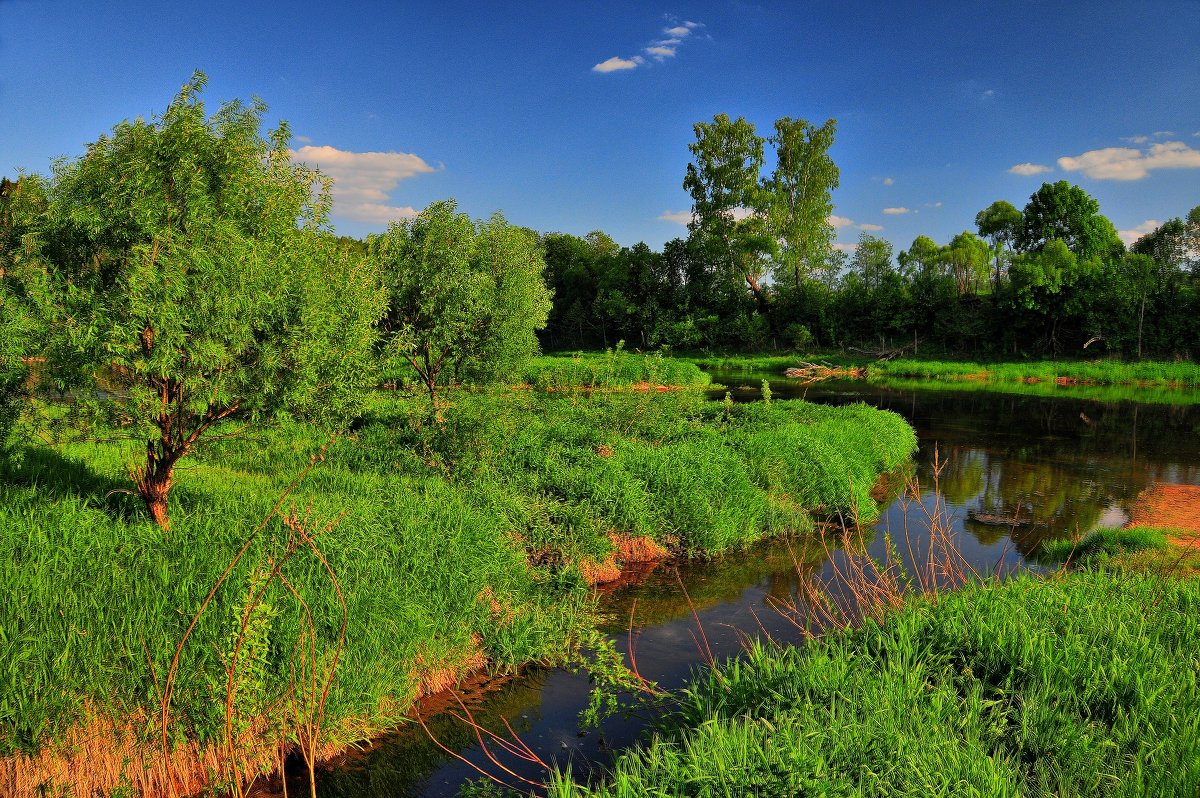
x=1141 y=315
x=154 y=482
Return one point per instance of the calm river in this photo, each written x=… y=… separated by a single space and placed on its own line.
x=1016 y=470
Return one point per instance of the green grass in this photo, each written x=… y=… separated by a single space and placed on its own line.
x=454 y=535
x=611 y=369
x=1103 y=542
x=1102 y=372
x=773 y=364
x=1085 y=684
x=95 y=591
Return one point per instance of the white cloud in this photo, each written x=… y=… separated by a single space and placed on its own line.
x=1128 y=163
x=889 y=181
x=617 y=64
x=363 y=180
x=1029 y=169
x=378 y=213
x=989 y=94
x=895 y=211
x=841 y=222
x=685 y=217
x=847 y=248
x=1142 y=139
x=678 y=217
x=659 y=49
x=304 y=139
x=1132 y=235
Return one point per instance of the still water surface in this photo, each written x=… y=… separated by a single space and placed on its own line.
x=1015 y=470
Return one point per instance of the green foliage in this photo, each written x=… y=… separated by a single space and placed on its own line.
x=1080 y=685
x=748 y=225
x=464 y=298
x=1063 y=212
x=1103 y=542
x=22 y=285
x=799 y=193
x=194 y=283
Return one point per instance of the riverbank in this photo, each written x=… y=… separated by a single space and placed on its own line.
x=454 y=544
x=1162 y=536
x=1142 y=374
x=1023 y=687
x=1049 y=467
x=1060 y=373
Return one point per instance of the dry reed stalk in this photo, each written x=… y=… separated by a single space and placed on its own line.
x=100 y=756
x=861 y=586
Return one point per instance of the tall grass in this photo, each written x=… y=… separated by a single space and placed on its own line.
x=98 y=597
x=458 y=541
x=1103 y=542
x=611 y=369
x=1084 y=684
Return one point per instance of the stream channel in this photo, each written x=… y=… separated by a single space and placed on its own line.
x=1016 y=470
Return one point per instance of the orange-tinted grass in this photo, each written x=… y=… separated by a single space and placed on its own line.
x=100 y=756
x=627 y=549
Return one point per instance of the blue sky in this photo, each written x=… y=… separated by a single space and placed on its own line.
x=942 y=107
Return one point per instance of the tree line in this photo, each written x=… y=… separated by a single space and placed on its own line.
x=758 y=270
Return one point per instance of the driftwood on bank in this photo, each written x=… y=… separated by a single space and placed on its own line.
x=822 y=371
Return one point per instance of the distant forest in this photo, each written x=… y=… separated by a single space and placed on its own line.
x=1035 y=286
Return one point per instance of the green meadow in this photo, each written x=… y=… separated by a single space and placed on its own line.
x=450 y=540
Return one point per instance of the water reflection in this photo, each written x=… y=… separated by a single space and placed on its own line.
x=1025 y=469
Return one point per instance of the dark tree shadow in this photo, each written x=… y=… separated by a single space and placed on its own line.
x=60 y=478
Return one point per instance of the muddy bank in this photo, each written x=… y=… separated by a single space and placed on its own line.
x=102 y=756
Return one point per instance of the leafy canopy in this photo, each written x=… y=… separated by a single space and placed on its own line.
x=464 y=297
x=196 y=282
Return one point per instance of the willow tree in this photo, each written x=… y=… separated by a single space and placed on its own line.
x=464 y=298
x=196 y=286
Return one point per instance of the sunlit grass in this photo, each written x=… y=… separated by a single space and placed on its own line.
x=1102 y=372
x=1084 y=684
x=456 y=536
